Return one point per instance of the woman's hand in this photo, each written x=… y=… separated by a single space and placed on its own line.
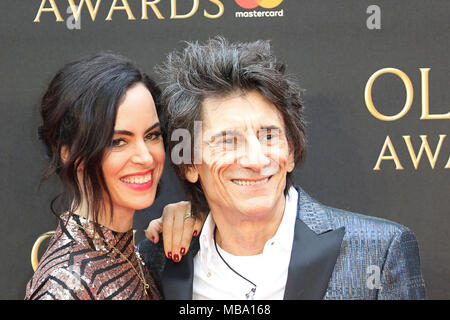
x=178 y=227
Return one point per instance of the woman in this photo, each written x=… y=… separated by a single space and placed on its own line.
x=101 y=129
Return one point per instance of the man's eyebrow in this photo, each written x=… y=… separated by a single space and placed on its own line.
x=224 y=133
x=231 y=132
x=270 y=128
x=129 y=133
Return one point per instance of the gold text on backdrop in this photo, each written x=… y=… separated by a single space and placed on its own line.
x=432 y=157
x=388 y=145
x=409 y=95
x=51 y=6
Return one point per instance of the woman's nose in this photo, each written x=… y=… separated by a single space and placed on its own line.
x=142 y=154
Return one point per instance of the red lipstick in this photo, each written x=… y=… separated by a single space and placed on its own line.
x=139 y=186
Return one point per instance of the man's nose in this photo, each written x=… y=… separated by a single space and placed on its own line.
x=254 y=156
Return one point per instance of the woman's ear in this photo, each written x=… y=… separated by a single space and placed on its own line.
x=64 y=153
x=191 y=174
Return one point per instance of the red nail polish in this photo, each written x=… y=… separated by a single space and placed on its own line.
x=195 y=233
x=183 y=251
x=169 y=254
x=176 y=258
x=153 y=239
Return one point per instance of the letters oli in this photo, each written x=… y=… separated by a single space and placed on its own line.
x=409 y=96
x=124 y=6
x=388 y=146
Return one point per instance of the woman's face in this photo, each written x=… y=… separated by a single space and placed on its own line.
x=134 y=163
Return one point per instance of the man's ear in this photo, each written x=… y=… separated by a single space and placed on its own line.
x=191 y=174
x=290 y=162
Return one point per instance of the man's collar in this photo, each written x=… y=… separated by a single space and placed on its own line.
x=285 y=232
x=206 y=240
x=315 y=250
x=313 y=213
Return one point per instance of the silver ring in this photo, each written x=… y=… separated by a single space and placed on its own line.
x=187 y=216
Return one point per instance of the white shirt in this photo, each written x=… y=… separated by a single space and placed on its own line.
x=214 y=280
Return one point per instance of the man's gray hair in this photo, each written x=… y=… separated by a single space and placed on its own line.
x=218 y=68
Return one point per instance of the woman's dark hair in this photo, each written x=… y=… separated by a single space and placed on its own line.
x=218 y=68
x=78 y=112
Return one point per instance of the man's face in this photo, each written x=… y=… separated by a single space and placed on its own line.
x=245 y=155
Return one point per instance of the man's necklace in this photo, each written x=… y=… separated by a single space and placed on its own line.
x=138 y=259
x=251 y=294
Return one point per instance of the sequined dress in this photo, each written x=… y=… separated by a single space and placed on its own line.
x=77 y=266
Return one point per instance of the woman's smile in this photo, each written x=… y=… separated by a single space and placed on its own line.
x=139 y=181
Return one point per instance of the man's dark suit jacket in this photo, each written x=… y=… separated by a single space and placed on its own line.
x=336 y=254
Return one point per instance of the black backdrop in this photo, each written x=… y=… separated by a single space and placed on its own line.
x=333 y=49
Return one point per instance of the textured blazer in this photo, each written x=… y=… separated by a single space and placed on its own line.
x=336 y=254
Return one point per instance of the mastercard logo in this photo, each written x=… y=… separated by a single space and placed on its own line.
x=252 y=4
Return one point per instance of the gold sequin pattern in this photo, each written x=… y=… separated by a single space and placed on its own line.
x=79 y=266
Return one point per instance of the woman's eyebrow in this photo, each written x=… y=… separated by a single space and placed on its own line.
x=129 y=133
x=155 y=125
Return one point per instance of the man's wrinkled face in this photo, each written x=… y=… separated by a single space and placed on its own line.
x=245 y=155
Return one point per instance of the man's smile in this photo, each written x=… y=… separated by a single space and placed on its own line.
x=250 y=182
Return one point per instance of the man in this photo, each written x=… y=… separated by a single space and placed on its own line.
x=263 y=237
